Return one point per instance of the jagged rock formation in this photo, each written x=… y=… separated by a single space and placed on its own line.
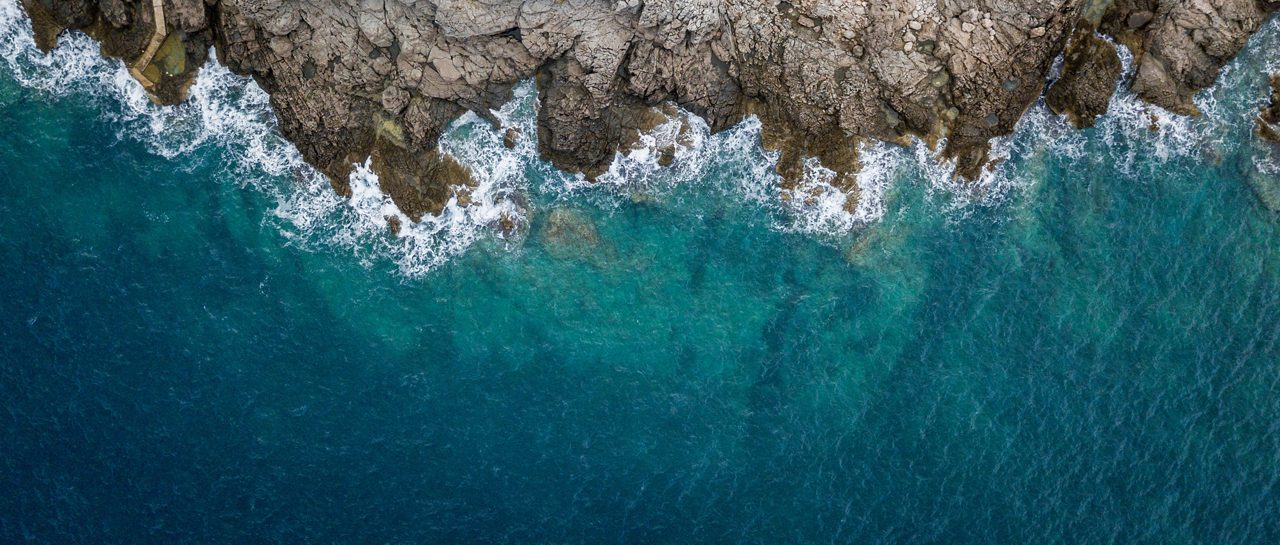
x=1091 y=67
x=352 y=79
x=1182 y=46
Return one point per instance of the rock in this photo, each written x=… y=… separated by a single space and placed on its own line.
x=420 y=183
x=1091 y=67
x=1269 y=119
x=567 y=233
x=1183 y=49
x=372 y=20
x=394 y=100
x=115 y=12
x=471 y=18
x=350 y=79
x=1139 y=19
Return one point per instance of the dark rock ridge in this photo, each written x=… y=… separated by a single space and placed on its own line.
x=352 y=79
x=1269 y=119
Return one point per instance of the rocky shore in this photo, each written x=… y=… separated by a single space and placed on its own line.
x=354 y=79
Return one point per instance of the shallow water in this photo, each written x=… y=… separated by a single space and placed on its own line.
x=199 y=342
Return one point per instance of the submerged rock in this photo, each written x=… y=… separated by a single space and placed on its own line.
x=568 y=233
x=351 y=79
x=1267 y=188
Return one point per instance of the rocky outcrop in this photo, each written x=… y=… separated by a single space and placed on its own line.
x=352 y=79
x=1090 y=69
x=1181 y=46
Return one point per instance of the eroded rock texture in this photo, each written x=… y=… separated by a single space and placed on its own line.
x=352 y=79
x=1090 y=69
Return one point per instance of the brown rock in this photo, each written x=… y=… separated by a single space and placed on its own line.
x=1091 y=68
x=1139 y=19
x=1269 y=119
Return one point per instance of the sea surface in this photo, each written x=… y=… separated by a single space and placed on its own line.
x=200 y=342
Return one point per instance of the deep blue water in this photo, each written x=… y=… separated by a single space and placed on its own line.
x=198 y=344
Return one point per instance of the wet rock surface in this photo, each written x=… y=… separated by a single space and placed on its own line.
x=1269 y=119
x=1091 y=68
x=351 y=79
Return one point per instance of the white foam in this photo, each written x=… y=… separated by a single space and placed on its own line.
x=1125 y=132
x=1264 y=44
x=232 y=115
x=640 y=170
x=1127 y=127
x=733 y=165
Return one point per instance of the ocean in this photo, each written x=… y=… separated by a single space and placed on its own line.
x=200 y=342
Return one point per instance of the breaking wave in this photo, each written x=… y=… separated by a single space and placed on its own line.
x=233 y=115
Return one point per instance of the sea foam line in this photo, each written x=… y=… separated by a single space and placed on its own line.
x=234 y=114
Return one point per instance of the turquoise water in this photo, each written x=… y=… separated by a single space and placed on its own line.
x=198 y=342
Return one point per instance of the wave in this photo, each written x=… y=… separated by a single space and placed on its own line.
x=232 y=115
x=1138 y=139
